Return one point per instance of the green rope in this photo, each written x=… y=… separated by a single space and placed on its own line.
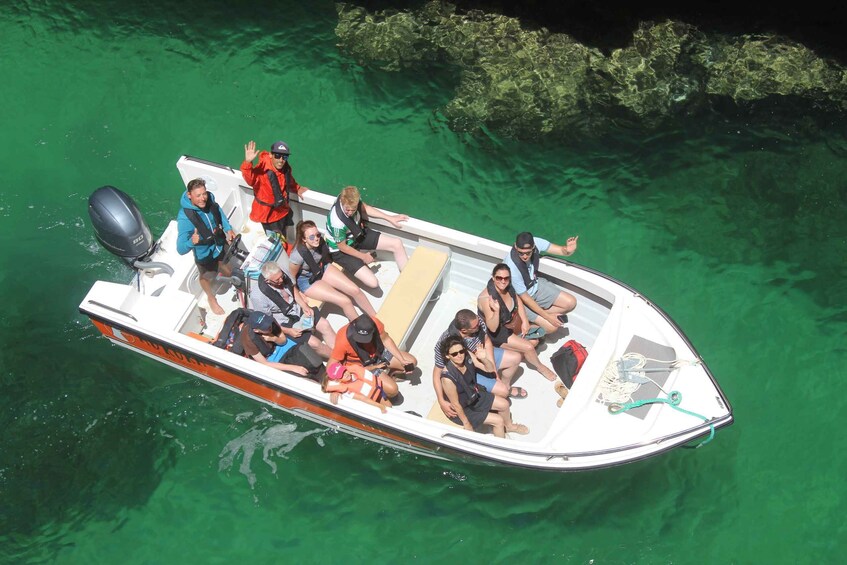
x=673 y=400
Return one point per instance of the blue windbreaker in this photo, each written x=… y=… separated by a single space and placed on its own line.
x=186 y=229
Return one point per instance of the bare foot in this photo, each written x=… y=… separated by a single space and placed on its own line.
x=216 y=308
x=518 y=429
x=548 y=374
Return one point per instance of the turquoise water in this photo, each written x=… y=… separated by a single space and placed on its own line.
x=736 y=227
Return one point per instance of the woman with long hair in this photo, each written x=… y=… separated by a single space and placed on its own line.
x=310 y=267
x=506 y=319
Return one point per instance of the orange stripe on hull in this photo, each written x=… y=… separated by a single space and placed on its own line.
x=251 y=387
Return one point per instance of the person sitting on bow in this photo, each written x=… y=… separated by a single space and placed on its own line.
x=506 y=319
x=546 y=304
x=471 y=328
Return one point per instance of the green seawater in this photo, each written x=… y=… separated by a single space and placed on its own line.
x=736 y=228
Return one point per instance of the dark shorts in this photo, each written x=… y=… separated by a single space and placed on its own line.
x=209 y=265
x=352 y=264
x=279 y=225
x=477 y=413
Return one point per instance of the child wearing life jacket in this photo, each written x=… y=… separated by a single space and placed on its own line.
x=354 y=381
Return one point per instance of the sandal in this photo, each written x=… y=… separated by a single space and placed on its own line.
x=517 y=392
x=519 y=429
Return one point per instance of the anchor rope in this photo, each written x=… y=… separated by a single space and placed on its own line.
x=616 y=391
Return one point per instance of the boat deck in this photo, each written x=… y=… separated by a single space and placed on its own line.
x=537 y=411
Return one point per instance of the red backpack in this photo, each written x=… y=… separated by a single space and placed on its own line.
x=568 y=360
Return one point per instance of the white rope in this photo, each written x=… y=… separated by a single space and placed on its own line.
x=615 y=389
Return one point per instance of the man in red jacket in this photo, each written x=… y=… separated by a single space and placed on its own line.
x=272 y=183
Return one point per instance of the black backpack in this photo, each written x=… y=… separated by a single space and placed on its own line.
x=229 y=337
x=302 y=354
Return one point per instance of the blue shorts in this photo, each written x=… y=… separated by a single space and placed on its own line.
x=303 y=283
x=487 y=380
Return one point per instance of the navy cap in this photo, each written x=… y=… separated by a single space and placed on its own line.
x=280 y=147
x=524 y=239
x=364 y=329
x=260 y=321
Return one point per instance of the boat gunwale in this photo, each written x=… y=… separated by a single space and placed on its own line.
x=366 y=420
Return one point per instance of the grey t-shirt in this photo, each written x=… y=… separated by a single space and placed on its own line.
x=297 y=259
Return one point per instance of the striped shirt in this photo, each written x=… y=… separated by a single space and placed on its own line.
x=471 y=342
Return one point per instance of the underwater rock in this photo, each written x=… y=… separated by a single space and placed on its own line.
x=526 y=83
x=752 y=68
x=657 y=76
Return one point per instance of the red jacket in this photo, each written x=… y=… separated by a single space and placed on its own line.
x=262 y=190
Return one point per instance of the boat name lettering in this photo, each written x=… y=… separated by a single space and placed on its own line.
x=171 y=354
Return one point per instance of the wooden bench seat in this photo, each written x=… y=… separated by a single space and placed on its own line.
x=436 y=414
x=411 y=292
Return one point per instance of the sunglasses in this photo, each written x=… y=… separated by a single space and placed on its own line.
x=502 y=279
x=282 y=156
x=456 y=353
x=313 y=237
x=524 y=253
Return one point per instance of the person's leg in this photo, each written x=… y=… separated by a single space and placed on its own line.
x=526 y=349
x=323 y=291
x=355 y=267
x=367 y=277
x=498 y=428
x=334 y=278
x=501 y=406
x=326 y=332
x=320 y=347
x=564 y=303
x=541 y=322
x=206 y=284
x=507 y=363
x=395 y=246
x=389 y=385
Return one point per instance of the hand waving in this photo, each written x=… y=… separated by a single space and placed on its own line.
x=250 y=151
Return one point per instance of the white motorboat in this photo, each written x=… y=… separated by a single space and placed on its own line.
x=642 y=390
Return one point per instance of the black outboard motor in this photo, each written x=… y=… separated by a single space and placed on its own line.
x=119 y=225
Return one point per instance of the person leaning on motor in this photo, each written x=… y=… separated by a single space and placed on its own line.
x=272 y=183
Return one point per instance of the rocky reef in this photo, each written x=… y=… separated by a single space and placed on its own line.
x=529 y=83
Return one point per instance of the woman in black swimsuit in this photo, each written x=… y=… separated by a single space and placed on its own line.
x=500 y=307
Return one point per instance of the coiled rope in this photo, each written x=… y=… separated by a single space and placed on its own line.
x=616 y=389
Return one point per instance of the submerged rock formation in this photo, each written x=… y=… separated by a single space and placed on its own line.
x=527 y=83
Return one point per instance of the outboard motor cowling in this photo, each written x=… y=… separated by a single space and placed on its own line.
x=119 y=225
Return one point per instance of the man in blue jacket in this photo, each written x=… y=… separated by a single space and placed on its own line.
x=204 y=229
